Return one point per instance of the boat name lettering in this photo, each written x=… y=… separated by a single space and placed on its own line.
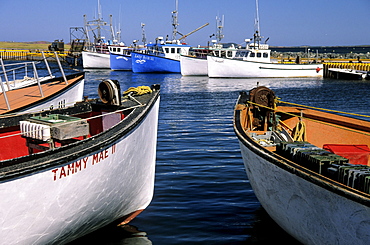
x=81 y=164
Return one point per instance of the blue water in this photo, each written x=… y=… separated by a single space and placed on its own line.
x=202 y=194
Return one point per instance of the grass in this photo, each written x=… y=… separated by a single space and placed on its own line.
x=28 y=45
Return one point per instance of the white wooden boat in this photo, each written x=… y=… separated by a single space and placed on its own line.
x=95 y=60
x=309 y=169
x=193 y=66
x=196 y=64
x=20 y=74
x=68 y=172
x=54 y=93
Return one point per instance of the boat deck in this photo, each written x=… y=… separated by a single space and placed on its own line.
x=19 y=98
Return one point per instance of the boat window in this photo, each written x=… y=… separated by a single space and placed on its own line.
x=241 y=54
x=259 y=55
x=173 y=50
x=252 y=55
x=229 y=53
x=265 y=55
x=118 y=49
x=114 y=49
x=167 y=50
x=178 y=50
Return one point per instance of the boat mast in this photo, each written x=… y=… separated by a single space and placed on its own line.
x=220 y=27
x=175 y=22
x=112 y=30
x=257 y=36
x=99 y=21
x=143 y=34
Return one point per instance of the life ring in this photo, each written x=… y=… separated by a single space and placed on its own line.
x=318 y=69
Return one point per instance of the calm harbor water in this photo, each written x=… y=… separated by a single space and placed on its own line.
x=202 y=194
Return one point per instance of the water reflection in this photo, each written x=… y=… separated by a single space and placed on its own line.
x=265 y=231
x=115 y=235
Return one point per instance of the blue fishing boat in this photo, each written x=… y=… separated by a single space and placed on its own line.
x=120 y=58
x=161 y=57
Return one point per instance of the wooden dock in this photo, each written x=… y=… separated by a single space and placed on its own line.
x=329 y=66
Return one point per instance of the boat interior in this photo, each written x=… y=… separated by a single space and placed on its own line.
x=25 y=134
x=324 y=142
x=49 y=131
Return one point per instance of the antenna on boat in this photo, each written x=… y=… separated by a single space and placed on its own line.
x=111 y=29
x=175 y=21
x=143 y=33
x=220 y=27
x=257 y=24
x=99 y=20
x=257 y=36
x=118 y=32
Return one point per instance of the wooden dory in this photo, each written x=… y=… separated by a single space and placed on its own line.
x=67 y=172
x=52 y=93
x=319 y=196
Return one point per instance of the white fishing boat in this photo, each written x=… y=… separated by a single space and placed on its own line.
x=96 y=51
x=67 y=172
x=36 y=94
x=308 y=168
x=196 y=64
x=95 y=60
x=255 y=61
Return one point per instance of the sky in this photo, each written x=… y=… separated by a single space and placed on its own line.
x=284 y=22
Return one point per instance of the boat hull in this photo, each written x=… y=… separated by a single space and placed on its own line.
x=222 y=67
x=94 y=60
x=308 y=212
x=144 y=63
x=298 y=186
x=120 y=62
x=192 y=66
x=83 y=190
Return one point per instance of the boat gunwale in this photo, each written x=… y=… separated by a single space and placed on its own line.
x=295 y=168
x=31 y=164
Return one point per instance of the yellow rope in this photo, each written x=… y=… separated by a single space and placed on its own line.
x=140 y=90
x=300 y=132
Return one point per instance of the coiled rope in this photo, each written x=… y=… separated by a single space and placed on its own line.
x=140 y=90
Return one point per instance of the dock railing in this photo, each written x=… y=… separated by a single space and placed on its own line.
x=23 y=54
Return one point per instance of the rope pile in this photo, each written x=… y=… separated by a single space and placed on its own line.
x=140 y=90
